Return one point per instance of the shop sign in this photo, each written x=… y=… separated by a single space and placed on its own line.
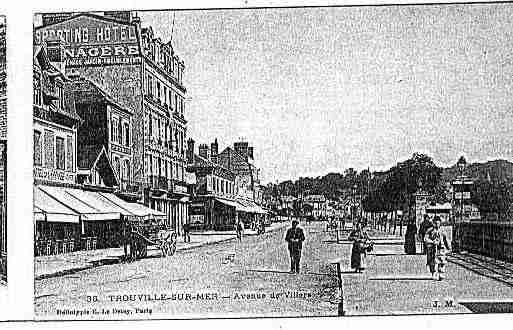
x=50 y=174
x=197 y=209
x=197 y=218
x=92 y=41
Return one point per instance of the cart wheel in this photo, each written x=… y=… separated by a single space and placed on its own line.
x=163 y=249
x=172 y=248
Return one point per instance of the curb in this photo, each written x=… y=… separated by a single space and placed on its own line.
x=116 y=260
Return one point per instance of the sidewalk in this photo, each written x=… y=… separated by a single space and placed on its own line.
x=62 y=264
x=396 y=284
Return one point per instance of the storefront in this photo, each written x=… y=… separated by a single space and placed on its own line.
x=70 y=219
x=212 y=213
x=249 y=212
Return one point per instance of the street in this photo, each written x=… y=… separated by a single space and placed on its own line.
x=202 y=282
x=205 y=282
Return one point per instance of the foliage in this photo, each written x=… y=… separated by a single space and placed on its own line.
x=492 y=197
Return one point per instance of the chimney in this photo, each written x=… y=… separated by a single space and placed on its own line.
x=204 y=151
x=241 y=148
x=214 y=150
x=190 y=151
x=250 y=152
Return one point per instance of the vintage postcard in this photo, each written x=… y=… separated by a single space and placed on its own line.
x=273 y=162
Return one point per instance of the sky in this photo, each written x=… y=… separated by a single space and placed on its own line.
x=319 y=90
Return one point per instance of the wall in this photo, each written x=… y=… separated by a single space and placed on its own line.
x=493 y=239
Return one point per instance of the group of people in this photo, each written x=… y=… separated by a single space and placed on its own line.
x=435 y=244
x=361 y=246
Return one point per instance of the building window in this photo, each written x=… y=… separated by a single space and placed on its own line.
x=127 y=134
x=170 y=99
x=37 y=149
x=61 y=96
x=149 y=86
x=37 y=88
x=158 y=90
x=69 y=153
x=60 y=153
x=150 y=124
x=120 y=132
x=176 y=102
x=126 y=165
x=117 y=167
x=49 y=149
x=114 y=129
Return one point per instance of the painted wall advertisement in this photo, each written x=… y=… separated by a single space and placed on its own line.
x=91 y=41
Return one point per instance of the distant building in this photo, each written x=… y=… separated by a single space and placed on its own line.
x=213 y=205
x=318 y=203
x=240 y=161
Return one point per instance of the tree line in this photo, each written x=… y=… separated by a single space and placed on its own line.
x=394 y=189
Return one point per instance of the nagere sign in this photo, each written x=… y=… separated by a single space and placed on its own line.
x=93 y=41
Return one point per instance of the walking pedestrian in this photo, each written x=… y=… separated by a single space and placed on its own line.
x=424 y=226
x=361 y=245
x=186 y=232
x=295 y=237
x=437 y=247
x=239 y=229
x=410 y=244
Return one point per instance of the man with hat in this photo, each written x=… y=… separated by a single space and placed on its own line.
x=295 y=237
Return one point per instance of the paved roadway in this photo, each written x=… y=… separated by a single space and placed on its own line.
x=202 y=282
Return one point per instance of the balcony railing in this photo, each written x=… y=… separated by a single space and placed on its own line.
x=159 y=182
x=129 y=186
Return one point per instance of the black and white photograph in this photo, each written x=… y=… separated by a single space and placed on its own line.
x=272 y=162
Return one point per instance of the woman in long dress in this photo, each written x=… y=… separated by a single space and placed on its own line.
x=410 y=245
x=360 y=240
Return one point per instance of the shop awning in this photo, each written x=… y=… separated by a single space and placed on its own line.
x=227 y=202
x=133 y=208
x=249 y=207
x=91 y=209
x=46 y=208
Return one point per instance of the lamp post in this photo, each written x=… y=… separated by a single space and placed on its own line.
x=462 y=164
x=353 y=211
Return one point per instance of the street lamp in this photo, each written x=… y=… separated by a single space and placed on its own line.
x=353 y=211
x=461 y=164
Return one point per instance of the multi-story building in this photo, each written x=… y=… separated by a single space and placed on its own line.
x=3 y=153
x=74 y=183
x=55 y=132
x=106 y=127
x=144 y=75
x=165 y=127
x=240 y=161
x=213 y=205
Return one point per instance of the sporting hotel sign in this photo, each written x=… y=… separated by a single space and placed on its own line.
x=91 y=41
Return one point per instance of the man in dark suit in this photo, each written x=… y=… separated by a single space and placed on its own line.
x=295 y=237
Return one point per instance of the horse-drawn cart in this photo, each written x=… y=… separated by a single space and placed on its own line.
x=140 y=234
